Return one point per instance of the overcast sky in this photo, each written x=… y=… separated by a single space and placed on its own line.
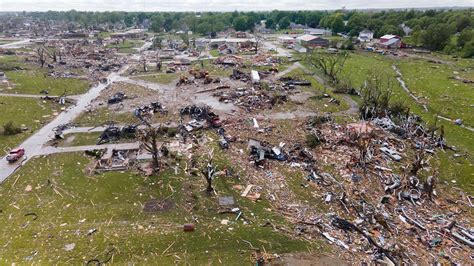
x=218 y=5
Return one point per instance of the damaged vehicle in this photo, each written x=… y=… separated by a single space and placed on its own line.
x=117 y=98
x=260 y=151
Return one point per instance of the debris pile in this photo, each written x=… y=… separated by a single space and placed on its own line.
x=370 y=209
x=145 y=112
x=200 y=115
x=115 y=160
x=113 y=133
x=252 y=98
x=265 y=60
x=231 y=60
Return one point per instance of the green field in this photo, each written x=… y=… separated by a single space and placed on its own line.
x=127 y=47
x=69 y=203
x=314 y=103
x=22 y=111
x=214 y=52
x=79 y=139
x=102 y=116
x=34 y=81
x=448 y=97
x=162 y=78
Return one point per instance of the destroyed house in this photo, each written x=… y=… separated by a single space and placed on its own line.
x=237 y=42
x=75 y=35
x=240 y=34
x=226 y=49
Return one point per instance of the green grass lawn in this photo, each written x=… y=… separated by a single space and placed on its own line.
x=448 y=97
x=103 y=115
x=104 y=34
x=359 y=66
x=22 y=111
x=314 y=103
x=10 y=62
x=33 y=81
x=214 y=52
x=126 y=47
x=83 y=139
x=214 y=70
x=69 y=203
x=162 y=78
x=79 y=139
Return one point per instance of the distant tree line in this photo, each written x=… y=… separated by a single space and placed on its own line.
x=450 y=31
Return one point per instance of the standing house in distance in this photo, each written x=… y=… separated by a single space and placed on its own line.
x=390 y=41
x=365 y=36
x=131 y=34
x=310 y=41
x=318 y=32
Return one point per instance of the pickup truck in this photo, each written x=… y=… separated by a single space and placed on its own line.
x=15 y=155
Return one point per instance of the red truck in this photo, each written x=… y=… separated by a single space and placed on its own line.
x=15 y=155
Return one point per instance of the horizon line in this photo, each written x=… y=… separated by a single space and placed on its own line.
x=256 y=10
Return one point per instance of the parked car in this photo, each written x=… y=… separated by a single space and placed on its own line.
x=15 y=155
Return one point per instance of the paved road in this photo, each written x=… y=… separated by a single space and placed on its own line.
x=34 y=144
x=75 y=130
x=116 y=146
x=16 y=44
x=280 y=51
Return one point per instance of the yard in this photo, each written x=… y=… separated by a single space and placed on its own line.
x=161 y=78
x=53 y=212
x=32 y=113
x=448 y=97
x=103 y=115
x=34 y=81
x=127 y=46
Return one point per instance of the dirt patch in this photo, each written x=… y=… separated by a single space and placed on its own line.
x=156 y=205
x=69 y=139
x=305 y=259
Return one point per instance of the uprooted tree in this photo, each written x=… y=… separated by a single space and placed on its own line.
x=148 y=138
x=331 y=64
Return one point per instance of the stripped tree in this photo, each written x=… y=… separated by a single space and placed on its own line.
x=331 y=64
x=148 y=138
x=376 y=95
x=209 y=172
x=42 y=53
